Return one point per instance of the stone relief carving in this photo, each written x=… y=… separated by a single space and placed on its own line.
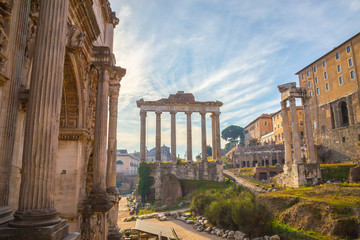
x=5 y=14
x=33 y=22
x=75 y=37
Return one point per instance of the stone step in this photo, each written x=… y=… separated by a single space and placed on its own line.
x=73 y=236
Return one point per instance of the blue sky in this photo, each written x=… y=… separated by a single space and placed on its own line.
x=233 y=51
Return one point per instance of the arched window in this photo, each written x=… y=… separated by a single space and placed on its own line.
x=119 y=162
x=344 y=114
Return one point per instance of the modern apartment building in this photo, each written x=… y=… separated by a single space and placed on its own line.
x=332 y=81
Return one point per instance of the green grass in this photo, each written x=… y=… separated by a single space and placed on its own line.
x=341 y=195
x=290 y=229
x=203 y=185
x=143 y=211
x=337 y=172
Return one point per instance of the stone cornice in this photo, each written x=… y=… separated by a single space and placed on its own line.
x=141 y=102
x=73 y=134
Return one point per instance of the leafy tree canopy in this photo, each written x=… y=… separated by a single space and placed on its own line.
x=234 y=134
x=144 y=180
x=209 y=150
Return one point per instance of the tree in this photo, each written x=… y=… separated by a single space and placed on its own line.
x=208 y=150
x=144 y=181
x=233 y=133
x=229 y=146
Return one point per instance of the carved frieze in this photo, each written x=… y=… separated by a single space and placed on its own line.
x=33 y=23
x=73 y=134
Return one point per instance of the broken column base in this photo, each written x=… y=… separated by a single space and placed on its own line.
x=297 y=175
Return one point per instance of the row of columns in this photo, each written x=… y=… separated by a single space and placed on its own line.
x=294 y=143
x=215 y=136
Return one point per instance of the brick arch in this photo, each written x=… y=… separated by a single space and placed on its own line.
x=70 y=108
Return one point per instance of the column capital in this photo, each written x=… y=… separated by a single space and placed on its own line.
x=188 y=113
x=292 y=100
x=114 y=89
x=202 y=113
x=158 y=113
x=283 y=104
x=143 y=113
x=173 y=112
x=216 y=114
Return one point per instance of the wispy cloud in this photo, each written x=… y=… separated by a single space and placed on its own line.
x=233 y=51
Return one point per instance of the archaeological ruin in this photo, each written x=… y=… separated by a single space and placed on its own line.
x=182 y=102
x=59 y=88
x=298 y=171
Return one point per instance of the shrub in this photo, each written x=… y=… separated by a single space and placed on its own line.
x=144 y=181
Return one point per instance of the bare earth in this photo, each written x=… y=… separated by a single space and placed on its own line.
x=184 y=231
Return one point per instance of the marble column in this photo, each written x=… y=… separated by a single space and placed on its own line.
x=308 y=131
x=99 y=199
x=11 y=109
x=173 y=136
x=295 y=131
x=142 y=136
x=218 y=139
x=36 y=201
x=189 y=137
x=203 y=137
x=112 y=142
x=158 y=137
x=213 y=131
x=287 y=134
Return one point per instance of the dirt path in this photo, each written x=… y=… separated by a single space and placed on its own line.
x=243 y=181
x=184 y=231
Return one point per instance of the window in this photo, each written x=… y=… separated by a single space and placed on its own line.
x=341 y=80
x=310 y=93
x=314 y=125
x=324 y=63
x=348 y=49
x=302 y=76
x=317 y=91
x=327 y=86
x=352 y=74
x=265 y=123
x=337 y=56
x=350 y=62
x=315 y=68
x=308 y=72
x=309 y=83
x=316 y=80
x=339 y=68
x=325 y=75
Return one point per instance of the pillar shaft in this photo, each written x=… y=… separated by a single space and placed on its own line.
x=173 y=136
x=295 y=132
x=99 y=166
x=112 y=142
x=36 y=201
x=309 y=134
x=287 y=135
x=142 y=136
x=218 y=140
x=189 y=138
x=213 y=131
x=8 y=136
x=203 y=137
x=158 y=137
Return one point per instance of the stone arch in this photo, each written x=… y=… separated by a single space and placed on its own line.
x=70 y=116
x=344 y=113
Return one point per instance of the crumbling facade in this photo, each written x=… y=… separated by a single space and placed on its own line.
x=297 y=170
x=333 y=84
x=59 y=88
x=183 y=102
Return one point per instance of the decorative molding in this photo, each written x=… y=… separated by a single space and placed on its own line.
x=73 y=134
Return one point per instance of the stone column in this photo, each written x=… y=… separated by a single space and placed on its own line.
x=173 y=136
x=189 y=138
x=11 y=108
x=142 y=136
x=158 y=137
x=99 y=199
x=112 y=142
x=217 y=133
x=336 y=111
x=114 y=231
x=213 y=131
x=350 y=110
x=36 y=201
x=308 y=131
x=295 y=132
x=287 y=135
x=203 y=137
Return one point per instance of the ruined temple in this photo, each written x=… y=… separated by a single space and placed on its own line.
x=59 y=87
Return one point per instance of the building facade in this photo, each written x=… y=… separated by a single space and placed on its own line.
x=165 y=154
x=332 y=82
x=59 y=88
x=260 y=126
x=126 y=163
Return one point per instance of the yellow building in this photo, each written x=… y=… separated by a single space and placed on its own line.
x=257 y=128
x=332 y=81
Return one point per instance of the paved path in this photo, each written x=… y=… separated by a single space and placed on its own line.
x=243 y=181
x=184 y=231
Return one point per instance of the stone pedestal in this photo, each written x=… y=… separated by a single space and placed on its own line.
x=114 y=230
